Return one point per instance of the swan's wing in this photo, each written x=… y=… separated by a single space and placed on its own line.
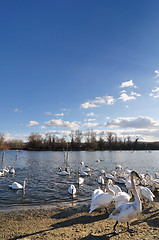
x=16 y=185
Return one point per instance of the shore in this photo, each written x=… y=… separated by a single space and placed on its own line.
x=74 y=222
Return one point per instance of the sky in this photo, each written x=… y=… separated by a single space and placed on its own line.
x=79 y=65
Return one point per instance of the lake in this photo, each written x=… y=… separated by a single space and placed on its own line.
x=46 y=187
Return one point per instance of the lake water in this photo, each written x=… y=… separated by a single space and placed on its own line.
x=46 y=187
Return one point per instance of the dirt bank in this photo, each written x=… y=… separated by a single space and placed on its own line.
x=74 y=222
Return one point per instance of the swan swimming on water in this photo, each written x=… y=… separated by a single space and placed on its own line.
x=101 y=178
x=128 y=211
x=18 y=186
x=12 y=170
x=80 y=180
x=63 y=173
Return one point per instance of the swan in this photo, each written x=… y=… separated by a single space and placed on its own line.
x=83 y=173
x=96 y=192
x=18 y=186
x=72 y=190
x=6 y=170
x=12 y=171
x=156 y=175
x=101 y=178
x=102 y=200
x=2 y=173
x=128 y=211
x=80 y=180
x=114 y=188
x=63 y=173
x=110 y=176
x=122 y=198
x=86 y=169
x=145 y=194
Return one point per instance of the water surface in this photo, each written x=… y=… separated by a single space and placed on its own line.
x=46 y=187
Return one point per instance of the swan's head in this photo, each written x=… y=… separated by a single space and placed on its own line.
x=111 y=182
x=133 y=173
x=26 y=180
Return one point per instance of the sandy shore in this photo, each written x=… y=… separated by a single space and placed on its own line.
x=74 y=222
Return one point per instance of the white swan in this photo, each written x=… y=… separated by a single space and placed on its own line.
x=63 y=173
x=96 y=192
x=6 y=170
x=122 y=198
x=128 y=211
x=114 y=188
x=145 y=194
x=80 y=180
x=83 y=173
x=72 y=190
x=101 y=178
x=86 y=169
x=2 y=173
x=110 y=176
x=102 y=200
x=12 y=171
x=18 y=186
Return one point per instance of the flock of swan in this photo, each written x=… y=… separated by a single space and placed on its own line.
x=139 y=188
x=14 y=185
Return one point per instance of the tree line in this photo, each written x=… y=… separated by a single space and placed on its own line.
x=79 y=141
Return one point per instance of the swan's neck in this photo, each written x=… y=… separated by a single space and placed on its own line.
x=130 y=193
x=109 y=190
x=137 y=199
x=24 y=184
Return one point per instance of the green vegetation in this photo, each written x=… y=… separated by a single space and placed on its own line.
x=78 y=142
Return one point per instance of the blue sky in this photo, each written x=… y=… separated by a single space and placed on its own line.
x=88 y=64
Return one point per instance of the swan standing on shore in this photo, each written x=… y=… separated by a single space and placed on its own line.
x=145 y=194
x=96 y=192
x=72 y=190
x=115 y=187
x=128 y=211
x=122 y=198
x=102 y=200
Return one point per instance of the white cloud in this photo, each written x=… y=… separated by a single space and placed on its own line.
x=32 y=123
x=157 y=73
x=135 y=94
x=88 y=105
x=91 y=119
x=109 y=100
x=89 y=125
x=59 y=114
x=138 y=122
x=127 y=84
x=154 y=93
x=9 y=137
x=90 y=114
x=61 y=123
x=48 y=113
x=124 y=97
x=16 y=110
x=42 y=127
